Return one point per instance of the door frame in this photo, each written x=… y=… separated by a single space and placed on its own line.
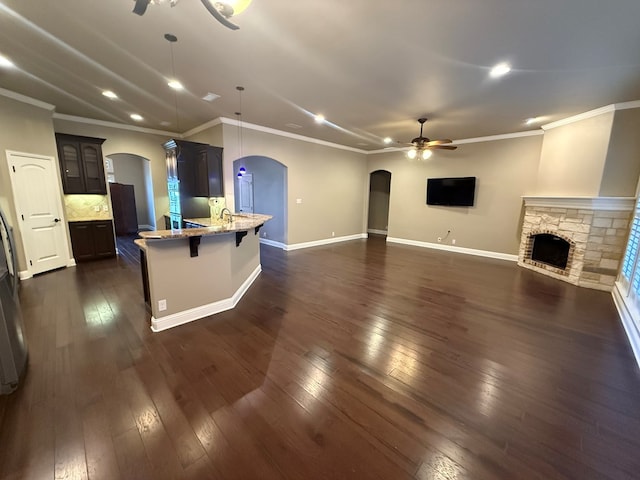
x=10 y=155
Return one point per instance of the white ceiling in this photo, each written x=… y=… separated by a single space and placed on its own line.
x=372 y=67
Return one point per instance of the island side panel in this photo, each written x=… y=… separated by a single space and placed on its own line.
x=245 y=259
x=187 y=282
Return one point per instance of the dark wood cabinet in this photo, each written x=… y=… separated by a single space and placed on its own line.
x=92 y=240
x=81 y=164
x=123 y=205
x=208 y=172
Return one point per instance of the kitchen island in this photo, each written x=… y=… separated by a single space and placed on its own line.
x=192 y=273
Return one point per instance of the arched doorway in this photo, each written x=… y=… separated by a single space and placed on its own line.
x=133 y=170
x=379 y=193
x=261 y=187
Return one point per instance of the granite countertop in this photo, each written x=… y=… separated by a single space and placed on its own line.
x=141 y=242
x=241 y=222
x=88 y=219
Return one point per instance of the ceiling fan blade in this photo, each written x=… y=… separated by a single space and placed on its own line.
x=439 y=142
x=442 y=147
x=141 y=6
x=213 y=11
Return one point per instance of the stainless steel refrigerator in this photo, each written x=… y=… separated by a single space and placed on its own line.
x=13 y=348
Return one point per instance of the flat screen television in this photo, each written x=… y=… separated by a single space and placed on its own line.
x=452 y=192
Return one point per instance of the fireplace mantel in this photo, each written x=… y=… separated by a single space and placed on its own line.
x=585 y=203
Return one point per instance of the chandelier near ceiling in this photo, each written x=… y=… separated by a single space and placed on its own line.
x=222 y=11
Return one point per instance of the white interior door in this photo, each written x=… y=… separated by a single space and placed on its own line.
x=36 y=192
x=245 y=187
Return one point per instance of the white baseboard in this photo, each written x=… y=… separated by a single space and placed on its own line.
x=186 y=316
x=377 y=232
x=630 y=326
x=453 y=248
x=24 y=275
x=326 y=241
x=273 y=243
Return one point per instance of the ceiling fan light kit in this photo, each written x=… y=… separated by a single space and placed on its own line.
x=221 y=11
x=423 y=146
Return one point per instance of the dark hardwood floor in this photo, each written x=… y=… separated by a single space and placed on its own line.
x=359 y=360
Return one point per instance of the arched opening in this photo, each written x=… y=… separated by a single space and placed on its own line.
x=261 y=187
x=379 y=194
x=131 y=193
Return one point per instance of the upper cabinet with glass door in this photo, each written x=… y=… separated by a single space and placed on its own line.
x=81 y=164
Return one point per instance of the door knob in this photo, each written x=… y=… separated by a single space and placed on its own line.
x=56 y=220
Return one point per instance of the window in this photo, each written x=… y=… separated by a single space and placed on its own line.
x=629 y=280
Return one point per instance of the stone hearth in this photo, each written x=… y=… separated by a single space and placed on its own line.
x=596 y=229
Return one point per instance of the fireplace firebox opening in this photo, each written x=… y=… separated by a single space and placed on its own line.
x=550 y=249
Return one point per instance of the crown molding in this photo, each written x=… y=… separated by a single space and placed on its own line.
x=120 y=126
x=28 y=100
x=203 y=127
x=294 y=136
x=490 y=138
x=592 y=113
x=503 y=136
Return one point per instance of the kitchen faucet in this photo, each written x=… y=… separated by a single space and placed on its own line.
x=222 y=214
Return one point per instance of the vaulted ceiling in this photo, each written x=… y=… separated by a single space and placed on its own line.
x=371 y=67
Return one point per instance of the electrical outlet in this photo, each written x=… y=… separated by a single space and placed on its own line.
x=162 y=305
x=453 y=242
x=298 y=201
x=333 y=234
x=439 y=239
x=97 y=208
x=264 y=234
x=105 y=208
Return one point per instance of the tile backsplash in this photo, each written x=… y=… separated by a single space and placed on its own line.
x=83 y=207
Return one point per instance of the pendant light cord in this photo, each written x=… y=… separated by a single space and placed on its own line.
x=239 y=114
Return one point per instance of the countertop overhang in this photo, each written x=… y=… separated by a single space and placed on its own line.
x=241 y=223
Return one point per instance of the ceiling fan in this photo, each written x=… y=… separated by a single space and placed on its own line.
x=222 y=11
x=423 y=146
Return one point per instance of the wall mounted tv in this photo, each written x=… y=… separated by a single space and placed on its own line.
x=451 y=192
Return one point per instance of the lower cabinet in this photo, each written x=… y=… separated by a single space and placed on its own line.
x=92 y=240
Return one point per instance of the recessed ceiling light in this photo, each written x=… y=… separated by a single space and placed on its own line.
x=5 y=62
x=499 y=70
x=319 y=118
x=175 y=84
x=136 y=117
x=388 y=140
x=110 y=94
x=210 y=97
x=532 y=120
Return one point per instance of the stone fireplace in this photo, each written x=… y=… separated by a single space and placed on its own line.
x=580 y=240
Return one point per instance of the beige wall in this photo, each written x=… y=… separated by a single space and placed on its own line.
x=23 y=128
x=331 y=183
x=212 y=136
x=622 y=167
x=573 y=157
x=145 y=145
x=504 y=170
